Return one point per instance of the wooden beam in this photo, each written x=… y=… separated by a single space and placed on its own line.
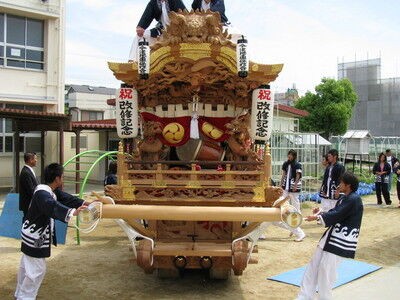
x=61 y=151
x=193 y=249
x=16 y=155
x=191 y=213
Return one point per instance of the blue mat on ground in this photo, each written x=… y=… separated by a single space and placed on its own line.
x=349 y=270
x=11 y=221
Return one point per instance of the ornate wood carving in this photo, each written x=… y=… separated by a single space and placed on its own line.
x=195 y=55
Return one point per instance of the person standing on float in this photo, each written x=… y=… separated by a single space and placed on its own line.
x=213 y=5
x=218 y=6
x=155 y=10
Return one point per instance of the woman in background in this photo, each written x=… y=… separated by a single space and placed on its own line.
x=381 y=171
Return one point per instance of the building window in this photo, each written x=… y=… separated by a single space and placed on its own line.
x=25 y=107
x=8 y=145
x=83 y=142
x=1 y=39
x=33 y=144
x=74 y=115
x=87 y=115
x=30 y=141
x=21 y=42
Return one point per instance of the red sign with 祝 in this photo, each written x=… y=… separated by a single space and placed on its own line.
x=262 y=114
x=127 y=113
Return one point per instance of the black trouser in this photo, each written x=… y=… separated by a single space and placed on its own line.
x=382 y=188
x=398 y=190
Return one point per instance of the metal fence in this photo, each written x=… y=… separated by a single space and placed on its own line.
x=309 y=153
x=377 y=145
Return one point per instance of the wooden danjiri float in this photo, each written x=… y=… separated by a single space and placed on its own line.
x=194 y=167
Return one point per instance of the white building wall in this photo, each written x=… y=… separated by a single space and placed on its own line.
x=93 y=102
x=45 y=86
x=284 y=123
x=36 y=87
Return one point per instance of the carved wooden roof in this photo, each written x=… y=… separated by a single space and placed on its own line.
x=195 y=55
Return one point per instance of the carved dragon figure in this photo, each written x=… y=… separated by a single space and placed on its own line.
x=194 y=27
x=239 y=141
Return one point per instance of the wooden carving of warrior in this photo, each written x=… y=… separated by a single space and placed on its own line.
x=150 y=147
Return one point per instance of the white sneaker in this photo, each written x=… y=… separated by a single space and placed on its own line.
x=262 y=237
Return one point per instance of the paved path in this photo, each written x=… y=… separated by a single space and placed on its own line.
x=382 y=284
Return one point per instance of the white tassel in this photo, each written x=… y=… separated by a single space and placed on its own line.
x=194 y=123
x=141 y=127
x=194 y=127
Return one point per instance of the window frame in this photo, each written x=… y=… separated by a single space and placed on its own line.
x=4 y=134
x=99 y=113
x=25 y=48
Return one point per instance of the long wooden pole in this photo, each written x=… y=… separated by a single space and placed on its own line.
x=191 y=213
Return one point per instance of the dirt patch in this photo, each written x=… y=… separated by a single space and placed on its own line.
x=102 y=267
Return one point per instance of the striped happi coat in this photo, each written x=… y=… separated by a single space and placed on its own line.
x=344 y=222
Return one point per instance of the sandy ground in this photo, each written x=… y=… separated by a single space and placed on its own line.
x=102 y=267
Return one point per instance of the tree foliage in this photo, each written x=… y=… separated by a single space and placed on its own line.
x=330 y=107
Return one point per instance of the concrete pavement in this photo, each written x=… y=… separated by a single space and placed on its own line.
x=383 y=284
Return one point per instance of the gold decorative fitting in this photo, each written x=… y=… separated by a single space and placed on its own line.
x=193 y=185
x=259 y=194
x=126 y=183
x=159 y=184
x=228 y=185
x=128 y=193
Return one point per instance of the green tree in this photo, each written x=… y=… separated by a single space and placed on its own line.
x=330 y=107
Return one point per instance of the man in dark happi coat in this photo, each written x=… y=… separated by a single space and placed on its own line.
x=48 y=203
x=155 y=10
x=339 y=240
x=213 y=5
x=332 y=175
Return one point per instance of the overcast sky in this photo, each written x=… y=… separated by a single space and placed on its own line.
x=308 y=36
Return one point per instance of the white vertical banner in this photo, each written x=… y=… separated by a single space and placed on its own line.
x=126 y=104
x=262 y=113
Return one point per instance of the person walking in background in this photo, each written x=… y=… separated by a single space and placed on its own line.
x=291 y=183
x=381 y=171
x=339 y=241
x=391 y=160
x=397 y=172
x=111 y=177
x=333 y=172
x=27 y=183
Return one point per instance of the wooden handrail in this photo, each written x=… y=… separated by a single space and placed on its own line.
x=216 y=163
